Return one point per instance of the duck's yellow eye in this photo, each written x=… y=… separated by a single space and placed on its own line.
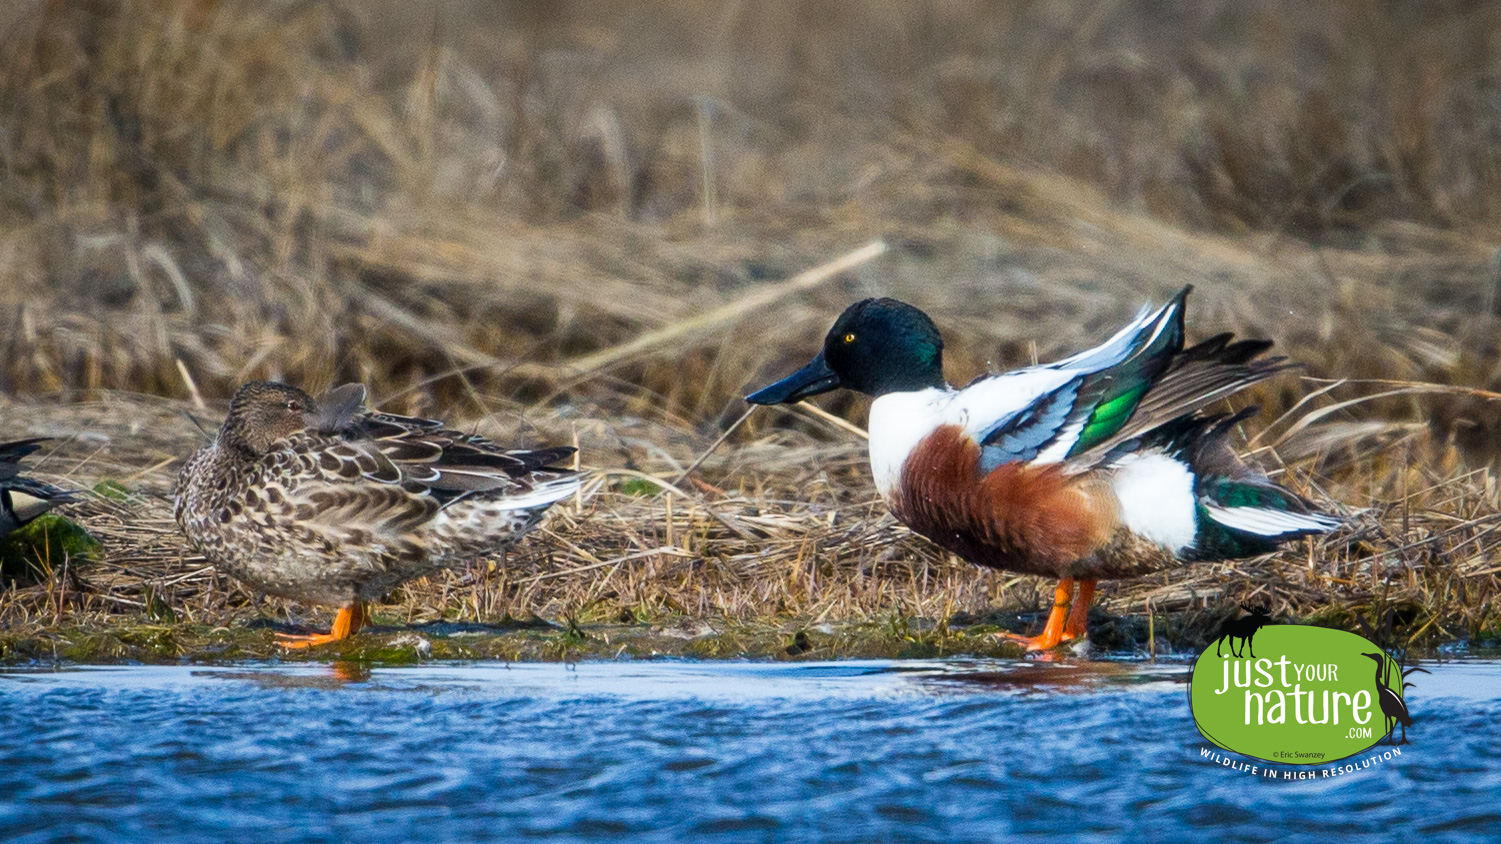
x=849 y=338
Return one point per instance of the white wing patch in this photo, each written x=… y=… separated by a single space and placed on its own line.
x=1156 y=494
x=1264 y=521
x=985 y=403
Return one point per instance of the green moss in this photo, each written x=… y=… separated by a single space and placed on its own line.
x=639 y=486
x=113 y=490
x=42 y=546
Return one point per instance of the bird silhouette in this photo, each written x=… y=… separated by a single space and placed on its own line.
x=1391 y=702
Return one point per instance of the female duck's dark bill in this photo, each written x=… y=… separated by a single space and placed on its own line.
x=811 y=380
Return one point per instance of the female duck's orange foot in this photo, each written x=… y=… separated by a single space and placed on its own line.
x=349 y=620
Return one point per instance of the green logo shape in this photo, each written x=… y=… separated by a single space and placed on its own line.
x=1310 y=695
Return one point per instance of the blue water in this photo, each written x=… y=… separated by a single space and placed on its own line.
x=668 y=751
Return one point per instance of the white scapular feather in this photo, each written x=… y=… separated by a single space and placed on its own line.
x=1114 y=350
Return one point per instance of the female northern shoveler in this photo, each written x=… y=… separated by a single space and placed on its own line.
x=1100 y=465
x=23 y=499
x=323 y=502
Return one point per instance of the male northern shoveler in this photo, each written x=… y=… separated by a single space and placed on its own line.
x=23 y=499
x=1101 y=465
x=324 y=502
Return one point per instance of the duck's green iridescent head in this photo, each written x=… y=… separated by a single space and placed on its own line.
x=877 y=346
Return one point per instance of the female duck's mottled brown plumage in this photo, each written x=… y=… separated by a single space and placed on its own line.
x=323 y=502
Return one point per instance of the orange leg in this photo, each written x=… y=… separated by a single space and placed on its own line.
x=1052 y=633
x=1078 y=617
x=348 y=622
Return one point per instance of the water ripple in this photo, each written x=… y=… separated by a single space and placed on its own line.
x=947 y=751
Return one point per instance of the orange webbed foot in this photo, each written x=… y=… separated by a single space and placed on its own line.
x=1053 y=632
x=349 y=620
x=1040 y=642
x=295 y=641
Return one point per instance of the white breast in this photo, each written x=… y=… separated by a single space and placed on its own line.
x=898 y=422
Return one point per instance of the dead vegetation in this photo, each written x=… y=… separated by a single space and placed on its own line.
x=572 y=221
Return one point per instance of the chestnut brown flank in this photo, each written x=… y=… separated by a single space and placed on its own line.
x=1028 y=519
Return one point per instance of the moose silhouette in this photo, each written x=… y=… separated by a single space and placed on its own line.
x=1244 y=629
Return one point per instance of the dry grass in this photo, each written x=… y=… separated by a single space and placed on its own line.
x=483 y=214
x=781 y=529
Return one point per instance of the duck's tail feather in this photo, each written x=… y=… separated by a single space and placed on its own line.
x=544 y=494
x=540 y=494
x=1271 y=522
x=11 y=454
x=1249 y=515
